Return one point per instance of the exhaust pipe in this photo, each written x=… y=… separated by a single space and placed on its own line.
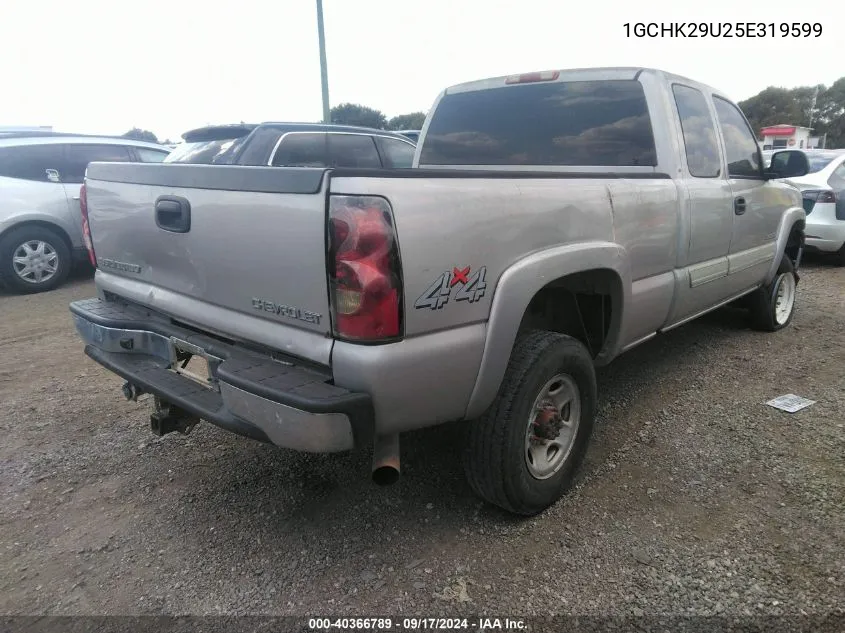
x=386 y=459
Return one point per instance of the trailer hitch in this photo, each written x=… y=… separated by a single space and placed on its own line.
x=167 y=418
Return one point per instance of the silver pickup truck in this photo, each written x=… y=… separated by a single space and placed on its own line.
x=552 y=221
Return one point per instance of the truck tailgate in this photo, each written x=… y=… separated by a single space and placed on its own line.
x=223 y=240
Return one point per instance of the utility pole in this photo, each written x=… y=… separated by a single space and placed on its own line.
x=813 y=107
x=324 y=76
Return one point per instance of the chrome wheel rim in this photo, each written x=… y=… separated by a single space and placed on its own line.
x=784 y=298
x=552 y=426
x=35 y=261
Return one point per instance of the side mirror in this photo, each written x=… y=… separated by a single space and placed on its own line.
x=788 y=164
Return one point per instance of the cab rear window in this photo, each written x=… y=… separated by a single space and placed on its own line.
x=589 y=123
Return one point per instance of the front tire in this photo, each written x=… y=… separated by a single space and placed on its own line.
x=33 y=259
x=523 y=453
x=773 y=306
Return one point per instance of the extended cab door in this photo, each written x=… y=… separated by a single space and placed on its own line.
x=708 y=208
x=757 y=205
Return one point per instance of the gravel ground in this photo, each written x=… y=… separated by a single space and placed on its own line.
x=696 y=498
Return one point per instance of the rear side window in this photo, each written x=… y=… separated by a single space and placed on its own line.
x=217 y=152
x=31 y=162
x=397 y=154
x=301 y=150
x=353 y=150
x=601 y=123
x=260 y=146
x=78 y=157
x=147 y=155
x=741 y=146
x=702 y=150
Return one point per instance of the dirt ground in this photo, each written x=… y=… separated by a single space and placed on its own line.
x=696 y=498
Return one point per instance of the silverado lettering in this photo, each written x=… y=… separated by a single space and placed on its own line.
x=288 y=311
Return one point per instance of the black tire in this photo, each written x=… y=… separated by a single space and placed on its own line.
x=839 y=256
x=763 y=301
x=14 y=239
x=495 y=456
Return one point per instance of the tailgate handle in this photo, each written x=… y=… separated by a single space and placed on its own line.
x=173 y=213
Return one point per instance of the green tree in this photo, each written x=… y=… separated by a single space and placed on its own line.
x=773 y=106
x=355 y=114
x=412 y=121
x=137 y=134
x=830 y=114
x=795 y=105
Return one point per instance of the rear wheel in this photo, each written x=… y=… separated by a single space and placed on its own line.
x=34 y=259
x=522 y=454
x=772 y=306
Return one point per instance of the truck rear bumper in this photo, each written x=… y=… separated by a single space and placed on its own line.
x=249 y=393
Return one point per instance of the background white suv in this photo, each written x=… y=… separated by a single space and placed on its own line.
x=40 y=220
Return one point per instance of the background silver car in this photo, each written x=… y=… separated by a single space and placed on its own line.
x=40 y=219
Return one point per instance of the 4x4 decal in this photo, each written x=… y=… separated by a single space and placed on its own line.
x=470 y=287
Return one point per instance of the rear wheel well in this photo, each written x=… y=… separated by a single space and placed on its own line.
x=795 y=241
x=55 y=228
x=584 y=305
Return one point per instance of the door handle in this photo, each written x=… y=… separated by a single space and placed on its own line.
x=173 y=213
x=739 y=205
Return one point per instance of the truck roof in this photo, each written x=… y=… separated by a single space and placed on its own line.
x=577 y=74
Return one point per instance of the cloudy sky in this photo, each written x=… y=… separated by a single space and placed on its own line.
x=168 y=66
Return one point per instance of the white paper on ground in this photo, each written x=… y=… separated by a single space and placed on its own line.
x=790 y=403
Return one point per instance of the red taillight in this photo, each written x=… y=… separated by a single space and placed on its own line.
x=530 y=78
x=825 y=195
x=364 y=271
x=86 y=228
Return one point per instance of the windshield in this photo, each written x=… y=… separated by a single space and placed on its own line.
x=217 y=152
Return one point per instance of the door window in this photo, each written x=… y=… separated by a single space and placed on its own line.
x=703 y=157
x=301 y=150
x=78 y=157
x=31 y=162
x=353 y=150
x=741 y=146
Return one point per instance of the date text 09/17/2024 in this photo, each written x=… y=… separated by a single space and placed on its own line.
x=417 y=624
x=722 y=29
